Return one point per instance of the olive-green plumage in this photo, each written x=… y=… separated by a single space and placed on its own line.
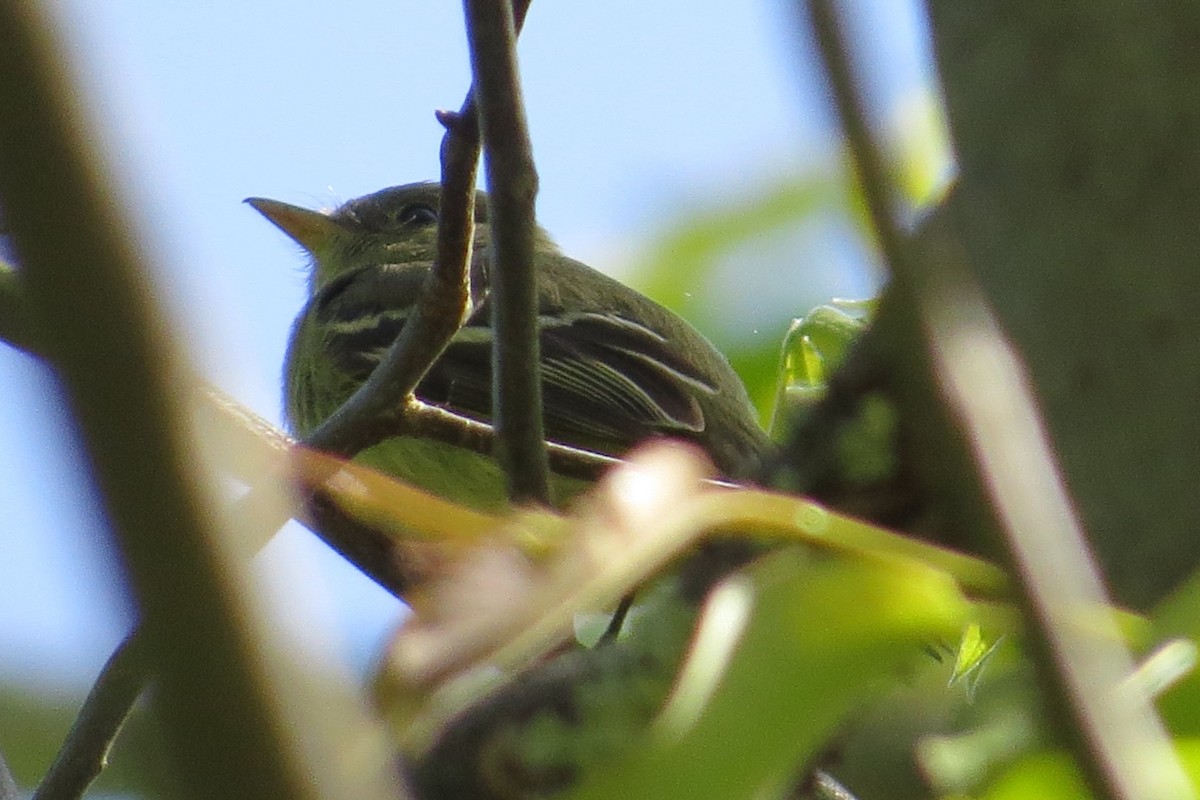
x=617 y=368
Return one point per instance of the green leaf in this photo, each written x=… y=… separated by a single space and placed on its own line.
x=972 y=654
x=680 y=268
x=782 y=655
x=1054 y=774
x=1178 y=616
x=813 y=348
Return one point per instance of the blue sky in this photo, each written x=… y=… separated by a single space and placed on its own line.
x=639 y=111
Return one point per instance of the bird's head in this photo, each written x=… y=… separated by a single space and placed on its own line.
x=397 y=225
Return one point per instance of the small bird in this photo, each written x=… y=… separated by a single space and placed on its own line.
x=617 y=368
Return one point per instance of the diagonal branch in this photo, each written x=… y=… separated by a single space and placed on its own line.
x=221 y=692
x=84 y=753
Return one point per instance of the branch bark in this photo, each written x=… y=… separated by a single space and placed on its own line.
x=512 y=191
x=1075 y=127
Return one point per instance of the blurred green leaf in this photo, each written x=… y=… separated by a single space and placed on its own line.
x=1040 y=776
x=781 y=656
x=679 y=268
x=1001 y=724
x=34 y=728
x=1054 y=775
x=695 y=245
x=1179 y=616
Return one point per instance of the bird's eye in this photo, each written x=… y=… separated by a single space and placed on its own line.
x=418 y=215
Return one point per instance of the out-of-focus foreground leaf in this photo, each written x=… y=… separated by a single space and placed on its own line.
x=782 y=654
x=1179 y=616
x=1053 y=774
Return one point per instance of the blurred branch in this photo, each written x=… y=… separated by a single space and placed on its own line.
x=18 y=321
x=84 y=753
x=872 y=176
x=1075 y=129
x=512 y=192
x=232 y=731
x=261 y=449
x=1122 y=746
x=252 y=448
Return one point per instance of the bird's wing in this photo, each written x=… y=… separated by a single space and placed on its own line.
x=607 y=381
x=362 y=312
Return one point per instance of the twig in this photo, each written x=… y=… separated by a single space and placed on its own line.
x=512 y=190
x=381 y=405
x=84 y=753
x=826 y=787
x=1121 y=744
x=872 y=176
x=460 y=148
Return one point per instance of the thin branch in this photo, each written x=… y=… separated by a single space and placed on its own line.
x=460 y=159
x=84 y=753
x=398 y=566
x=1121 y=744
x=385 y=401
x=512 y=191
